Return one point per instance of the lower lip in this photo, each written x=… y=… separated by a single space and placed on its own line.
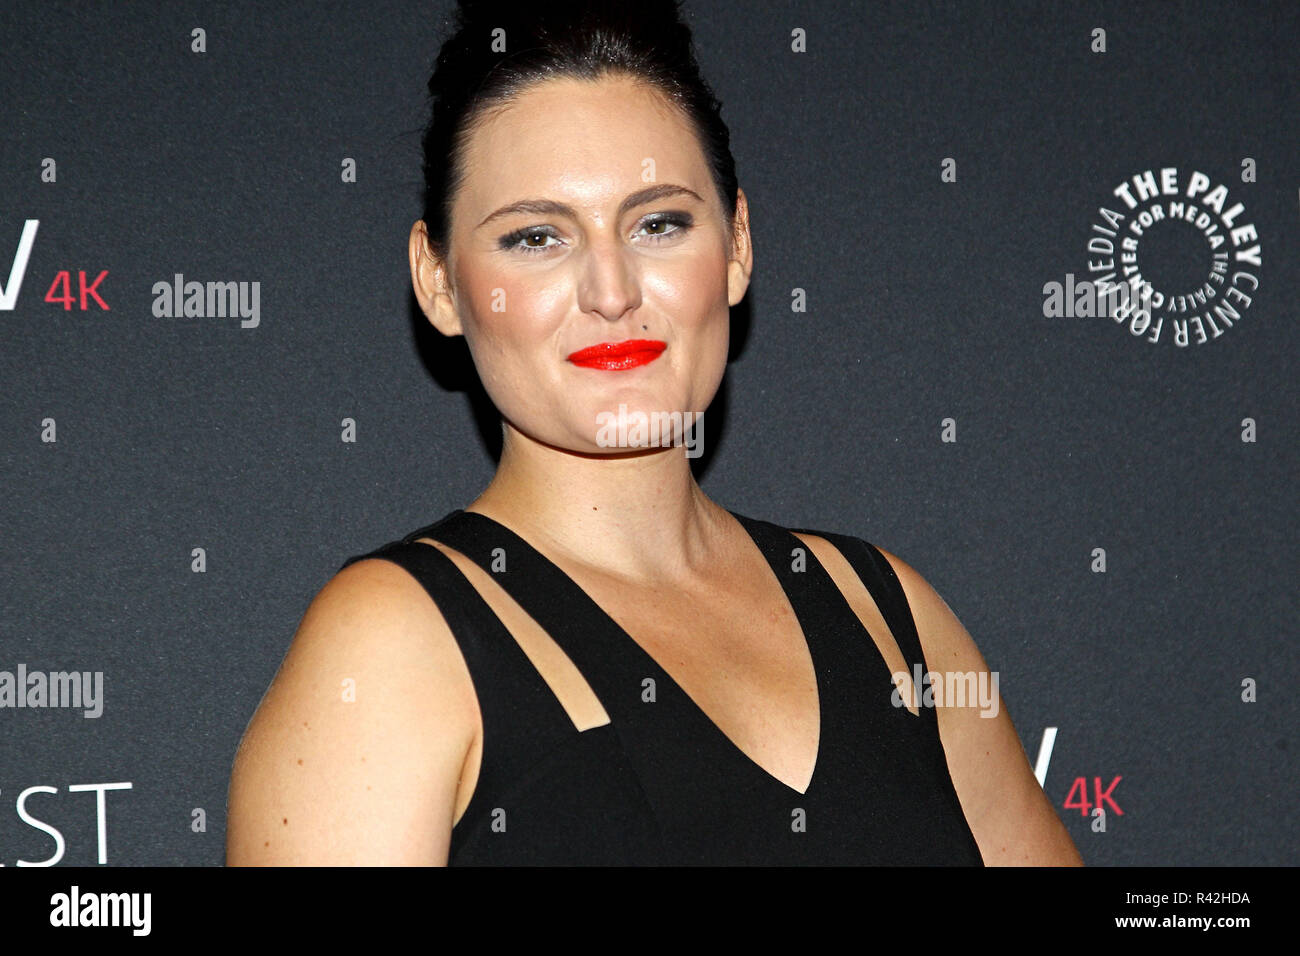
x=615 y=363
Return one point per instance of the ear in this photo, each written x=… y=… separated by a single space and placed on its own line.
x=741 y=264
x=432 y=283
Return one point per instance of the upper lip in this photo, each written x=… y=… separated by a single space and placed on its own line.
x=616 y=349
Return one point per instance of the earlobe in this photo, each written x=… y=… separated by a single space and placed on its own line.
x=443 y=316
x=737 y=282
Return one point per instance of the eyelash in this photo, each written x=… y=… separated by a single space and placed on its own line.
x=511 y=242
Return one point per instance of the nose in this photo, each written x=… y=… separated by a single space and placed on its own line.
x=609 y=285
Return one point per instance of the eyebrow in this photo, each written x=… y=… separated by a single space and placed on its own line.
x=549 y=207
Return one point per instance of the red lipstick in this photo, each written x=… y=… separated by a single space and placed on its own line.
x=614 y=356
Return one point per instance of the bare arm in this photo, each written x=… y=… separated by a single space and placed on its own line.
x=323 y=780
x=1011 y=818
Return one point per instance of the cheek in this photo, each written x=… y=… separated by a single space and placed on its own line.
x=694 y=290
x=508 y=321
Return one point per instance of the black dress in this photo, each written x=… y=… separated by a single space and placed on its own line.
x=660 y=783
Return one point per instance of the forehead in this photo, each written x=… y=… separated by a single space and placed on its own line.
x=584 y=142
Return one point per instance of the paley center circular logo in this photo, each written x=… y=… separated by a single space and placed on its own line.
x=1178 y=260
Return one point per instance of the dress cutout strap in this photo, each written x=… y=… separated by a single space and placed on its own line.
x=550 y=597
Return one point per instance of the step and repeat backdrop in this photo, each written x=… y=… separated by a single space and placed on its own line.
x=217 y=385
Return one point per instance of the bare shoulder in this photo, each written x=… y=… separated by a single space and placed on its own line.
x=1011 y=818
x=354 y=754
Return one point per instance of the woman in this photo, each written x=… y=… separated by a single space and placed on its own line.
x=593 y=662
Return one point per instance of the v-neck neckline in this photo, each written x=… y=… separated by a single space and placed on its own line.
x=753 y=531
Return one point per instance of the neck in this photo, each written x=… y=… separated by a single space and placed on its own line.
x=640 y=515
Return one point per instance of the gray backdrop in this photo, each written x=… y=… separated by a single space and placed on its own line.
x=920 y=172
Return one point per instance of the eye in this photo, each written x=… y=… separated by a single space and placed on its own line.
x=519 y=239
x=678 y=221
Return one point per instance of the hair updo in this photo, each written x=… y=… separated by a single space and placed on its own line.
x=583 y=39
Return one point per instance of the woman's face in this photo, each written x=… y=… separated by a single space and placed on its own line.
x=587 y=216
